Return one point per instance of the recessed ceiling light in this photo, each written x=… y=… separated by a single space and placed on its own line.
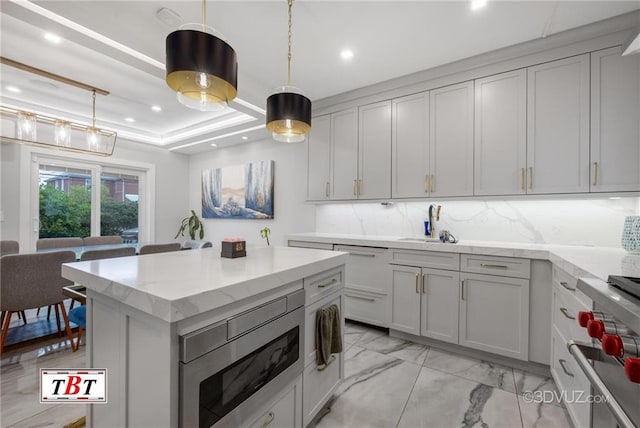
x=156 y=108
x=129 y=119
x=615 y=198
x=346 y=54
x=169 y=17
x=214 y=145
x=244 y=137
x=53 y=38
x=13 y=89
x=478 y=4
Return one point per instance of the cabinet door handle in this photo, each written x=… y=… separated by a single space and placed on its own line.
x=595 y=173
x=433 y=186
x=462 y=289
x=493 y=266
x=564 y=367
x=530 y=177
x=358 y=187
x=566 y=286
x=424 y=290
x=426 y=183
x=522 y=179
x=368 y=299
x=354 y=188
x=566 y=313
x=326 y=190
x=361 y=254
x=270 y=417
x=417 y=287
x=328 y=284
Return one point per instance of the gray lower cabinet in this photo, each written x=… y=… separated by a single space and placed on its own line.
x=425 y=302
x=494 y=314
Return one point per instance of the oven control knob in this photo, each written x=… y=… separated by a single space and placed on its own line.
x=612 y=345
x=595 y=329
x=632 y=369
x=585 y=316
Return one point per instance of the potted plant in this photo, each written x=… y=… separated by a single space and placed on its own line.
x=193 y=225
x=264 y=233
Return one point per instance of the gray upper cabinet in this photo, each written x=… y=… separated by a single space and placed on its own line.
x=344 y=142
x=500 y=140
x=374 y=151
x=319 y=159
x=558 y=126
x=410 y=146
x=615 y=121
x=451 y=140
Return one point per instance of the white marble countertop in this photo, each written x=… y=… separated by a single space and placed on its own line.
x=180 y=284
x=598 y=262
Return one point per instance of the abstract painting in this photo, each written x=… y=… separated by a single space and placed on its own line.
x=240 y=191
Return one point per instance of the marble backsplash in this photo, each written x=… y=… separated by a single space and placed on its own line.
x=591 y=222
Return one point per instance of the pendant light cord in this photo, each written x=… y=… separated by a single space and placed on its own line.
x=289 y=52
x=94 y=108
x=204 y=15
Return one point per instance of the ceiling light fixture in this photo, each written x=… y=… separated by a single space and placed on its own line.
x=245 y=138
x=288 y=110
x=129 y=119
x=346 y=54
x=13 y=89
x=201 y=67
x=156 y=108
x=478 y=4
x=53 y=38
x=40 y=130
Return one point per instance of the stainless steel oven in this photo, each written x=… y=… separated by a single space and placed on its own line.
x=613 y=365
x=231 y=368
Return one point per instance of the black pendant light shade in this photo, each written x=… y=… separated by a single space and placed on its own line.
x=201 y=68
x=288 y=116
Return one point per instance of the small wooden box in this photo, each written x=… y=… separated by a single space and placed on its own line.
x=231 y=250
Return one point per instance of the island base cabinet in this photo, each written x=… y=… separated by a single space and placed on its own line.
x=494 y=314
x=319 y=385
x=285 y=412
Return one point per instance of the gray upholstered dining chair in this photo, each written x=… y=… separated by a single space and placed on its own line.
x=107 y=254
x=30 y=281
x=9 y=247
x=49 y=243
x=159 y=248
x=101 y=240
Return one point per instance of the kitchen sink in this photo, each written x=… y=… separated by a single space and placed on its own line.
x=425 y=239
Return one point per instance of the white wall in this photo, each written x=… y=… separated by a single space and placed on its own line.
x=291 y=214
x=552 y=221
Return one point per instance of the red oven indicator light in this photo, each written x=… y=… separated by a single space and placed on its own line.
x=632 y=369
x=612 y=345
x=595 y=329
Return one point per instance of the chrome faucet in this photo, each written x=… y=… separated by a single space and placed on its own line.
x=433 y=208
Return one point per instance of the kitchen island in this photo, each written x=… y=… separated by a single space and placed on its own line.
x=140 y=309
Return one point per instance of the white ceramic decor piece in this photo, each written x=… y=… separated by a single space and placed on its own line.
x=631 y=234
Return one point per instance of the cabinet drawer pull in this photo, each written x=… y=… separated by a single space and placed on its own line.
x=493 y=266
x=566 y=286
x=424 y=276
x=566 y=313
x=328 y=284
x=417 y=287
x=433 y=186
x=564 y=367
x=522 y=179
x=426 y=183
x=270 y=417
x=368 y=299
x=595 y=173
x=361 y=254
x=530 y=177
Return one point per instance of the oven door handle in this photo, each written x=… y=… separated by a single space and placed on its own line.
x=578 y=351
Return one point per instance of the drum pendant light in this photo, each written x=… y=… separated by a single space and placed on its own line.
x=288 y=110
x=201 y=67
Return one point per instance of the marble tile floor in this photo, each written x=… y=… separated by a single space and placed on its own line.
x=394 y=383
